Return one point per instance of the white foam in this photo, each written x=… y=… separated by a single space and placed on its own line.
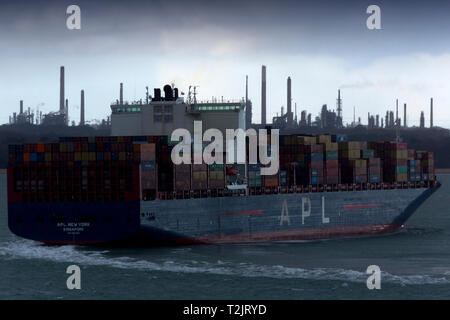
x=26 y=249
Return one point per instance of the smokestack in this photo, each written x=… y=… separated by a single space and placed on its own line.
x=121 y=94
x=404 y=115
x=289 y=106
x=61 y=90
x=246 y=89
x=396 y=111
x=339 y=110
x=66 y=112
x=21 y=106
x=263 y=95
x=248 y=106
x=82 y=109
x=431 y=113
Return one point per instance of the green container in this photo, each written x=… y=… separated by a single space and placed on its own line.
x=216 y=167
x=254 y=179
x=402 y=169
x=331 y=155
x=367 y=153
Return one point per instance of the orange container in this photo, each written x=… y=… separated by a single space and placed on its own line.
x=40 y=147
x=148 y=147
x=26 y=157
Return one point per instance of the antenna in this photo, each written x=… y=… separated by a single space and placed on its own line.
x=354 y=120
x=195 y=94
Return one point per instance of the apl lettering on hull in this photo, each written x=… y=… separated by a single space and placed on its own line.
x=306 y=211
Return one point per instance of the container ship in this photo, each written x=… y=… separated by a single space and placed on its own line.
x=122 y=189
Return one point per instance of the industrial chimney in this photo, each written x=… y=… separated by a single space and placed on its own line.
x=396 y=113
x=404 y=115
x=82 y=109
x=21 y=106
x=431 y=113
x=263 y=95
x=121 y=94
x=289 y=101
x=61 y=90
x=248 y=106
x=66 y=112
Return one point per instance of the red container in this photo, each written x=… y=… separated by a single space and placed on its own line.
x=396 y=145
x=374 y=170
x=332 y=171
x=316 y=165
x=332 y=163
x=373 y=162
x=332 y=179
x=313 y=148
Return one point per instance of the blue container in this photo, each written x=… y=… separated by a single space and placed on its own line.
x=129 y=147
x=314 y=180
x=375 y=178
x=139 y=138
x=314 y=157
x=115 y=156
x=100 y=156
x=254 y=167
x=91 y=147
x=148 y=165
x=107 y=147
x=33 y=157
x=19 y=157
x=425 y=177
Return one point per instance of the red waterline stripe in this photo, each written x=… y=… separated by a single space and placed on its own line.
x=360 y=206
x=307 y=234
x=244 y=212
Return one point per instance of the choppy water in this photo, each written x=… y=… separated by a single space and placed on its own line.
x=415 y=264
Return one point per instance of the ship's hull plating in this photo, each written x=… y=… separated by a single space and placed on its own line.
x=259 y=218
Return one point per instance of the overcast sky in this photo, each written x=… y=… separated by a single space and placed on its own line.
x=321 y=45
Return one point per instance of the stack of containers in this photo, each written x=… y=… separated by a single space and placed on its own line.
x=374 y=170
x=216 y=176
x=199 y=177
x=395 y=162
x=427 y=166
x=353 y=170
x=288 y=156
x=58 y=172
x=271 y=180
x=313 y=165
x=254 y=175
x=182 y=177
x=148 y=167
x=331 y=156
x=274 y=179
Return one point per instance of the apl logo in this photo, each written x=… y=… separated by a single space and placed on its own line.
x=306 y=211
